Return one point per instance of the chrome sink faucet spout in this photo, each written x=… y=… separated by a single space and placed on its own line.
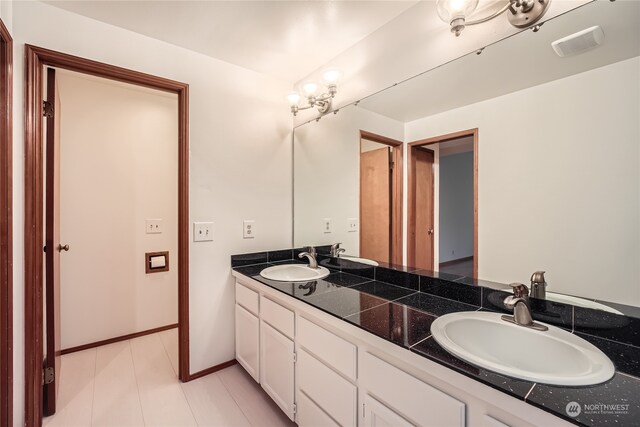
x=519 y=303
x=336 y=250
x=311 y=256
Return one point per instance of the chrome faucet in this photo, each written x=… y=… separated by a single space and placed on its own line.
x=311 y=256
x=519 y=303
x=336 y=250
x=538 y=285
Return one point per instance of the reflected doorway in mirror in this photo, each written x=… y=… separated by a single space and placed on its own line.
x=442 y=230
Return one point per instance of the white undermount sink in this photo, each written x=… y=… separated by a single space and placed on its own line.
x=294 y=273
x=554 y=356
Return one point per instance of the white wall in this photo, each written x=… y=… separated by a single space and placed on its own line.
x=455 y=206
x=118 y=167
x=593 y=209
x=240 y=163
x=6 y=13
x=327 y=175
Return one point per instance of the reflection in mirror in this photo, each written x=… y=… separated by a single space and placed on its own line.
x=557 y=159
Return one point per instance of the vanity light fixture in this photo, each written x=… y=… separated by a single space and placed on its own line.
x=521 y=13
x=310 y=89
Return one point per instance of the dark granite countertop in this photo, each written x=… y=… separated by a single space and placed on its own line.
x=403 y=316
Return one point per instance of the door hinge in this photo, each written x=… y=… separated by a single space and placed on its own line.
x=392 y=165
x=295 y=357
x=48 y=375
x=295 y=408
x=47 y=109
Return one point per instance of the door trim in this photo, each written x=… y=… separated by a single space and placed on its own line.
x=397 y=188
x=6 y=226
x=36 y=59
x=411 y=184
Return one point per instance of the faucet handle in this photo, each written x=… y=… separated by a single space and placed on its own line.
x=335 y=246
x=538 y=277
x=311 y=250
x=519 y=290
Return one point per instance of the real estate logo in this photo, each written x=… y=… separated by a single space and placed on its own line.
x=573 y=409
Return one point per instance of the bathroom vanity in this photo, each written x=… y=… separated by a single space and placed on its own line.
x=349 y=350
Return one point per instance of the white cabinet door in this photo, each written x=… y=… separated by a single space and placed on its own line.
x=247 y=341
x=378 y=415
x=276 y=367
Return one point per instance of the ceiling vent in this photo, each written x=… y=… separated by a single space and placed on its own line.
x=579 y=42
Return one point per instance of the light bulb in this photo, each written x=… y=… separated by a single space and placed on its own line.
x=449 y=10
x=331 y=77
x=293 y=98
x=310 y=88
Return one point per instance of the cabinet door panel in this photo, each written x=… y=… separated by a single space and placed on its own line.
x=378 y=415
x=247 y=341
x=310 y=415
x=419 y=402
x=336 y=352
x=335 y=395
x=276 y=367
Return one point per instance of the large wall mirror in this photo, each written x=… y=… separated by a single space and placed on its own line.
x=514 y=160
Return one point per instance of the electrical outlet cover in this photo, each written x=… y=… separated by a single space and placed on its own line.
x=352 y=225
x=249 y=229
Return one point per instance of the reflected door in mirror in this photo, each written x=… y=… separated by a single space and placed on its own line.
x=375 y=204
x=423 y=229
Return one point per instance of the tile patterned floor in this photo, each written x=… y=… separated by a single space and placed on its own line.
x=135 y=383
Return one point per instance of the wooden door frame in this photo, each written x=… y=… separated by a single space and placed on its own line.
x=6 y=226
x=397 y=188
x=411 y=240
x=36 y=58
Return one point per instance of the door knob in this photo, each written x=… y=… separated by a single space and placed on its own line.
x=63 y=248
x=430 y=231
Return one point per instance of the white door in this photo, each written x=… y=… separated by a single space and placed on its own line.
x=247 y=341
x=276 y=367
x=378 y=415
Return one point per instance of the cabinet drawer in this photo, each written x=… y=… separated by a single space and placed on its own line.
x=277 y=316
x=310 y=415
x=247 y=298
x=335 y=395
x=331 y=349
x=414 y=399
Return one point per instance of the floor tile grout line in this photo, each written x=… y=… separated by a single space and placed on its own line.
x=234 y=399
x=93 y=392
x=135 y=376
x=193 y=414
x=166 y=351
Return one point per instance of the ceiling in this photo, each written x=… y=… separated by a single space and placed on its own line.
x=285 y=39
x=522 y=61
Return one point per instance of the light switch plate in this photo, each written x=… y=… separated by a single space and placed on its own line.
x=352 y=225
x=153 y=226
x=249 y=229
x=202 y=231
x=326 y=225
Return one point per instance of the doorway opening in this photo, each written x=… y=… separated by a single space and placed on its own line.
x=40 y=64
x=380 y=198
x=443 y=204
